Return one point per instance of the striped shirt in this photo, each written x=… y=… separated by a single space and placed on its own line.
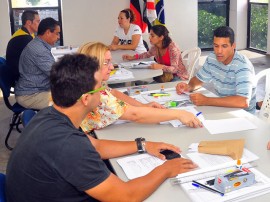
x=35 y=65
x=236 y=78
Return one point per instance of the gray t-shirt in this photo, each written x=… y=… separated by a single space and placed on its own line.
x=53 y=161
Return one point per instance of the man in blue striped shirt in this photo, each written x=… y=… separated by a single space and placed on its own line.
x=33 y=87
x=231 y=73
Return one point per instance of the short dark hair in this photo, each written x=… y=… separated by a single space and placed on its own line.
x=47 y=23
x=72 y=76
x=224 y=32
x=28 y=15
x=161 y=30
x=129 y=14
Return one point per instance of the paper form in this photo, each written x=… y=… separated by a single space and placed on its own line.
x=177 y=123
x=121 y=74
x=163 y=99
x=139 y=165
x=200 y=195
x=228 y=125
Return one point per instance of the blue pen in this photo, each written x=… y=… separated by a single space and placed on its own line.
x=198 y=114
x=199 y=185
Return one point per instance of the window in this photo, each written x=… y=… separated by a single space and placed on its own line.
x=257 y=25
x=211 y=14
x=45 y=8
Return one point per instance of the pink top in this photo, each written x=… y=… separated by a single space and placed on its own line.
x=175 y=66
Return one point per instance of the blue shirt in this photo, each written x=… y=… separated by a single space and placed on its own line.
x=34 y=66
x=236 y=78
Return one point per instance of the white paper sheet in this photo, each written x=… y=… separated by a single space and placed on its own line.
x=177 y=123
x=209 y=160
x=228 y=125
x=139 y=165
x=121 y=74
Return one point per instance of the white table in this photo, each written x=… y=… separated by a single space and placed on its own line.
x=139 y=74
x=255 y=141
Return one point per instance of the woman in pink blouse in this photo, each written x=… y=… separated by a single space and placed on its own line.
x=166 y=53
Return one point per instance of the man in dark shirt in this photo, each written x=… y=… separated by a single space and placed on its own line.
x=18 y=41
x=54 y=161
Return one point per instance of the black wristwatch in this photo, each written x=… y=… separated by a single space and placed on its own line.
x=140 y=145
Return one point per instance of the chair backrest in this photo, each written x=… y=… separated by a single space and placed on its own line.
x=264 y=112
x=264 y=73
x=145 y=45
x=27 y=115
x=191 y=60
x=2 y=187
x=6 y=81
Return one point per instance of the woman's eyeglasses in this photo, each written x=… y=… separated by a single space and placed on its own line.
x=108 y=63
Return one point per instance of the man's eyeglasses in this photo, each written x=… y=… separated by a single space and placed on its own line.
x=94 y=91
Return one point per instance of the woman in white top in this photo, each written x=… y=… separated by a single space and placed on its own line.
x=127 y=36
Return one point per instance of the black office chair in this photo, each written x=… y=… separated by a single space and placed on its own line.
x=5 y=85
x=2 y=187
x=27 y=115
x=146 y=45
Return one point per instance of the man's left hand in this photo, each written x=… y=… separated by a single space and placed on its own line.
x=198 y=99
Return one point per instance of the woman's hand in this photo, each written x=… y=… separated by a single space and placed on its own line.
x=189 y=119
x=157 y=66
x=113 y=47
x=154 y=105
x=128 y=57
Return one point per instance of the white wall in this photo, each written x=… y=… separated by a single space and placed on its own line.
x=96 y=20
x=181 y=17
x=5 y=26
x=238 y=22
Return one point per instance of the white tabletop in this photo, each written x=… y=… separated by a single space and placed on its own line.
x=255 y=141
x=139 y=74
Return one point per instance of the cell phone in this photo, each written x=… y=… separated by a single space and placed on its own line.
x=169 y=154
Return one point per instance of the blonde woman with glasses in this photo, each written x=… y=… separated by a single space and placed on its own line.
x=116 y=105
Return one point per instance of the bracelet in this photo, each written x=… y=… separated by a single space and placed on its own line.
x=136 y=56
x=140 y=145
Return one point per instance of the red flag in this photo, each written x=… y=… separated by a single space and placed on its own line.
x=135 y=7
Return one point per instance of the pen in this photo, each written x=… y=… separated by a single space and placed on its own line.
x=198 y=114
x=199 y=185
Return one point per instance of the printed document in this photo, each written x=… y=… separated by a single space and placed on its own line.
x=121 y=74
x=139 y=165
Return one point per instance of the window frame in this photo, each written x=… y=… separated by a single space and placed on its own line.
x=227 y=3
x=58 y=8
x=249 y=27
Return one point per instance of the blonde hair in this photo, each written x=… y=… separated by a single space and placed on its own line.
x=95 y=49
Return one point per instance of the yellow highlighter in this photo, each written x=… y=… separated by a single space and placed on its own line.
x=160 y=94
x=113 y=72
